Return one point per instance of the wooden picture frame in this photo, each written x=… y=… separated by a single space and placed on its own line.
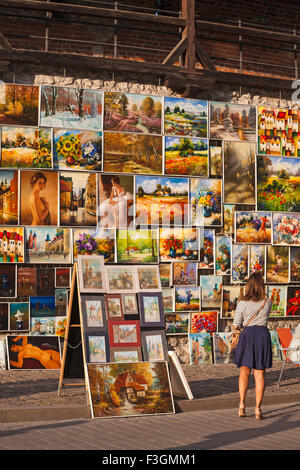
x=117 y=330
x=117 y=313
x=101 y=354
x=151 y=309
x=93 y=319
x=91 y=274
x=154 y=349
x=119 y=354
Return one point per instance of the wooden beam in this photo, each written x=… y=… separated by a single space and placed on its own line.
x=176 y=52
x=4 y=43
x=188 y=13
x=204 y=58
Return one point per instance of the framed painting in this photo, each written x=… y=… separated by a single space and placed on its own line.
x=278 y=296
x=48 y=245
x=96 y=346
x=167 y=295
x=165 y=274
x=225 y=344
x=41 y=326
x=33 y=352
x=3 y=361
x=137 y=246
x=278 y=264
x=78 y=198
x=19 y=104
x=77 y=150
x=8 y=281
x=185 y=117
x=230 y=297
x=276 y=353
x=257 y=259
x=61 y=302
x=206 y=202
x=293 y=301
x=39 y=198
x=231 y=121
x=62 y=277
x=19 y=316
x=91 y=274
x=130 y=305
x=215 y=157
x=150 y=392
x=121 y=279
x=177 y=323
x=154 y=345
x=129 y=112
x=223 y=255
x=12 y=246
x=161 y=201
x=94 y=241
x=26 y=281
x=93 y=312
x=4 y=316
x=228 y=217
x=42 y=306
x=151 y=309
x=132 y=153
x=116 y=201
x=148 y=278
x=186 y=156
x=200 y=348
x=207 y=249
x=184 y=273
x=239 y=172
x=124 y=333
x=26 y=147
x=206 y=321
x=211 y=290
x=277 y=184
x=9 y=209
x=178 y=244
x=125 y=354
x=253 y=227
x=60 y=326
x=114 y=306
x=71 y=108
x=187 y=299
x=295 y=264
x=286 y=229
x=239 y=263
x=45 y=281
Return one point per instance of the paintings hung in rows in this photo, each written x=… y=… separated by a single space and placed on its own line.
x=77 y=150
x=186 y=156
x=116 y=201
x=33 y=352
x=239 y=172
x=19 y=105
x=185 y=117
x=230 y=121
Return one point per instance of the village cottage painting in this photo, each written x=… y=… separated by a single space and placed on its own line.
x=230 y=121
x=137 y=246
x=185 y=117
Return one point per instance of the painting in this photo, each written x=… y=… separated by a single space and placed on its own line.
x=78 y=198
x=257 y=257
x=239 y=172
x=71 y=108
x=148 y=278
x=62 y=277
x=61 y=302
x=185 y=156
x=33 y=352
x=187 y=298
x=185 y=117
x=114 y=306
x=4 y=316
x=3 y=353
x=231 y=121
x=8 y=281
x=295 y=264
x=128 y=112
x=223 y=255
x=278 y=184
x=211 y=290
x=228 y=214
x=177 y=323
x=12 y=245
x=39 y=198
x=42 y=326
x=286 y=229
x=137 y=246
x=149 y=392
x=161 y=200
x=200 y=348
x=130 y=305
x=124 y=333
x=91 y=273
x=215 y=157
x=165 y=274
x=9 y=197
x=125 y=355
x=19 y=316
x=167 y=295
x=48 y=245
x=184 y=273
x=278 y=295
x=253 y=227
x=239 y=263
x=230 y=297
x=26 y=147
x=116 y=201
x=94 y=241
x=206 y=202
x=206 y=321
x=96 y=347
x=278 y=266
x=77 y=150
x=121 y=279
x=276 y=353
x=225 y=344
x=45 y=281
x=42 y=306
x=93 y=312
x=278 y=131
x=154 y=345
x=26 y=281
x=19 y=105
x=180 y=244
x=151 y=309
x=293 y=301
x=132 y=153
x=207 y=249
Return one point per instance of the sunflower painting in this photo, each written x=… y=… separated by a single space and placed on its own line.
x=78 y=150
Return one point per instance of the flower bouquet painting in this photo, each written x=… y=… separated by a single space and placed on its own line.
x=178 y=244
x=207 y=247
x=78 y=150
x=205 y=202
x=257 y=258
x=286 y=229
x=223 y=255
x=95 y=242
x=240 y=263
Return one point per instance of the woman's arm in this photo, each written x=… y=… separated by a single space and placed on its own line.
x=238 y=316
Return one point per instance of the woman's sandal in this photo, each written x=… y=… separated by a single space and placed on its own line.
x=258 y=414
x=242 y=412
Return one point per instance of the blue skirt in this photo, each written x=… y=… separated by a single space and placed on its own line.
x=254 y=348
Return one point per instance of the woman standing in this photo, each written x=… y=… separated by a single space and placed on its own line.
x=254 y=349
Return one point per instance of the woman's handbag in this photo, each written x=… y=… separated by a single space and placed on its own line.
x=252 y=318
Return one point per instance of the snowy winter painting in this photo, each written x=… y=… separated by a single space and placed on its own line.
x=71 y=108
x=230 y=121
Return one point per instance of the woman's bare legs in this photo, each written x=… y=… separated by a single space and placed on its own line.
x=259 y=377
x=243 y=383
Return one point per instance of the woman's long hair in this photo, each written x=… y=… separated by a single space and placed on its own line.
x=255 y=288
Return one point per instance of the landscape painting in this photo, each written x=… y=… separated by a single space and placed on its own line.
x=116 y=201
x=206 y=202
x=137 y=246
x=25 y=147
x=9 y=191
x=165 y=274
x=278 y=266
x=161 y=200
x=278 y=296
x=128 y=112
x=295 y=264
x=211 y=290
x=253 y=227
x=187 y=299
x=204 y=321
x=33 y=352
x=200 y=348
x=186 y=156
x=132 y=153
x=19 y=105
x=185 y=117
x=77 y=150
x=94 y=241
x=215 y=157
x=286 y=229
x=230 y=121
x=71 y=108
x=180 y=244
x=177 y=323
x=239 y=172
